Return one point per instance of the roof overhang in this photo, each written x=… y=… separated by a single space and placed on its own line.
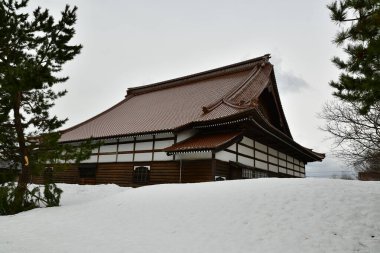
x=263 y=131
x=205 y=142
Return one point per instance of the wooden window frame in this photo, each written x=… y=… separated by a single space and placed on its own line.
x=139 y=176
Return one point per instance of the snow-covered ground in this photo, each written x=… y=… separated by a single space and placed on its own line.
x=259 y=215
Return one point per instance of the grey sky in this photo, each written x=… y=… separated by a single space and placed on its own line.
x=131 y=43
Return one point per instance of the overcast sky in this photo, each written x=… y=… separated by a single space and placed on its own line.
x=132 y=43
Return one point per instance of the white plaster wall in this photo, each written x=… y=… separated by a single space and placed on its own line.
x=247 y=141
x=92 y=159
x=107 y=158
x=261 y=165
x=126 y=147
x=108 y=148
x=261 y=155
x=141 y=157
x=232 y=147
x=260 y=146
x=245 y=160
x=225 y=156
x=273 y=159
x=245 y=151
x=282 y=163
x=161 y=156
x=272 y=151
x=163 y=144
x=273 y=168
x=125 y=158
x=146 y=145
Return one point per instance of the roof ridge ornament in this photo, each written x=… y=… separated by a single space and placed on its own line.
x=236 y=90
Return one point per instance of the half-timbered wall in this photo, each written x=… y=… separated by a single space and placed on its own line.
x=116 y=157
x=257 y=155
x=133 y=149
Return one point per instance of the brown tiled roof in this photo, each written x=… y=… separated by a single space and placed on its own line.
x=214 y=141
x=170 y=105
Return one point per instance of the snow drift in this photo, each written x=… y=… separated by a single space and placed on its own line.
x=259 y=215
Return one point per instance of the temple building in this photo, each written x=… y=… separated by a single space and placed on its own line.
x=221 y=124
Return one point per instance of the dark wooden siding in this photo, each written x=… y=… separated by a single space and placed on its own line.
x=120 y=173
x=164 y=172
x=114 y=173
x=222 y=169
x=197 y=171
x=68 y=176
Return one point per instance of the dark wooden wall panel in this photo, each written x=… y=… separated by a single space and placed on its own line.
x=122 y=173
x=164 y=172
x=37 y=180
x=68 y=176
x=161 y=172
x=197 y=171
x=114 y=173
x=222 y=169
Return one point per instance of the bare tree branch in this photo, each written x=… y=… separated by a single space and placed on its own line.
x=356 y=136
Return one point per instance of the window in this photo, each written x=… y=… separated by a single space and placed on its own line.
x=141 y=174
x=246 y=173
x=260 y=174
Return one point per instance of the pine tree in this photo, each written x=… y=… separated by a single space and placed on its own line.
x=360 y=38
x=33 y=49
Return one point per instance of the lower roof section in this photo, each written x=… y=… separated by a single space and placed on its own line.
x=202 y=142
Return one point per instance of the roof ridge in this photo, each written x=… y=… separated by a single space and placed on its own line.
x=232 y=68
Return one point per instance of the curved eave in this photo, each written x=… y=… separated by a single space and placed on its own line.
x=261 y=122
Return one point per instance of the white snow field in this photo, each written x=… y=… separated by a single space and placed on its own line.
x=258 y=215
